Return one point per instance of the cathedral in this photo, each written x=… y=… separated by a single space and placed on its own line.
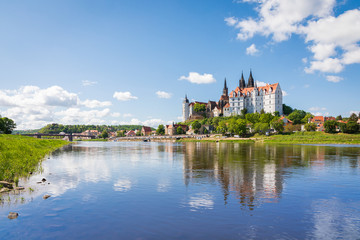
x=246 y=96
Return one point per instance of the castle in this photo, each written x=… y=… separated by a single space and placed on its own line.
x=246 y=96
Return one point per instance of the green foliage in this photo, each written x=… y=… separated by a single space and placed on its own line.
x=292 y=128
x=20 y=155
x=104 y=134
x=306 y=118
x=339 y=117
x=278 y=125
x=353 y=118
x=352 y=127
x=57 y=128
x=252 y=117
x=266 y=117
x=243 y=111
x=120 y=133
x=287 y=109
x=276 y=114
x=262 y=111
x=199 y=107
x=196 y=125
x=7 y=125
x=160 y=130
x=330 y=126
x=297 y=116
x=261 y=128
x=222 y=128
x=179 y=130
x=310 y=127
x=237 y=126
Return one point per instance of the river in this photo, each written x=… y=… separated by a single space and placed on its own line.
x=137 y=190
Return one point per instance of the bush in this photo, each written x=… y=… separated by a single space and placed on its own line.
x=330 y=126
x=310 y=127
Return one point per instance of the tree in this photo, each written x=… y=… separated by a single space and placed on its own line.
x=222 y=128
x=199 y=107
x=196 y=125
x=276 y=114
x=179 y=130
x=160 y=130
x=120 y=133
x=353 y=117
x=310 y=127
x=292 y=128
x=262 y=111
x=306 y=118
x=7 y=125
x=261 y=127
x=287 y=109
x=339 y=117
x=278 y=125
x=243 y=111
x=330 y=126
x=252 y=117
x=297 y=116
x=266 y=117
x=104 y=134
x=352 y=127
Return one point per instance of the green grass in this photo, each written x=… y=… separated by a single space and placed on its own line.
x=314 y=138
x=20 y=155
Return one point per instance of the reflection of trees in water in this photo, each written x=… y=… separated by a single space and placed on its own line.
x=254 y=173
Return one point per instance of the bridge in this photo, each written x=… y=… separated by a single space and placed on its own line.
x=69 y=135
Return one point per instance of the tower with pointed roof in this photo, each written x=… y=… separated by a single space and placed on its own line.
x=250 y=81
x=225 y=90
x=185 y=108
x=242 y=82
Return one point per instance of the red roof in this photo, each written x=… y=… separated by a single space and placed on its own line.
x=227 y=105
x=318 y=119
x=147 y=129
x=245 y=91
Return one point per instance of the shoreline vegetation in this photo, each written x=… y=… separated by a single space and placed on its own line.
x=20 y=156
x=291 y=138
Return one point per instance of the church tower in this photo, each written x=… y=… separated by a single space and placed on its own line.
x=242 y=82
x=225 y=90
x=185 y=109
x=250 y=81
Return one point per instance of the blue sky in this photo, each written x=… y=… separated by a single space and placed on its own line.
x=122 y=62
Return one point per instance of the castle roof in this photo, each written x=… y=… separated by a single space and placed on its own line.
x=245 y=91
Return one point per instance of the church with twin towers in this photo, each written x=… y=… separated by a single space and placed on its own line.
x=247 y=96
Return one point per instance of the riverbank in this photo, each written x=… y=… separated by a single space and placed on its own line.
x=291 y=138
x=20 y=155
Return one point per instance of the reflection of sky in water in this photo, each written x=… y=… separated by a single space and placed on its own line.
x=192 y=191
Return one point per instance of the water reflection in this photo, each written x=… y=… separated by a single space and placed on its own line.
x=255 y=174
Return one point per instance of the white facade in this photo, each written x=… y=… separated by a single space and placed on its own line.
x=185 y=109
x=255 y=99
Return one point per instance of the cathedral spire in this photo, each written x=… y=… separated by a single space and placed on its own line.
x=251 y=80
x=225 y=90
x=242 y=81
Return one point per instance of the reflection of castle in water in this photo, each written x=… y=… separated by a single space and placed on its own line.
x=243 y=170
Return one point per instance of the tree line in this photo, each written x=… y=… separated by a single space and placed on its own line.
x=58 y=128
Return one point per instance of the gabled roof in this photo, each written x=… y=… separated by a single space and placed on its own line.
x=238 y=92
x=318 y=119
x=147 y=129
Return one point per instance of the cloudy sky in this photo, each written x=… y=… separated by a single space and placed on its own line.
x=132 y=62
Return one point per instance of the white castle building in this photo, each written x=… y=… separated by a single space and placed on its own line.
x=254 y=98
x=249 y=96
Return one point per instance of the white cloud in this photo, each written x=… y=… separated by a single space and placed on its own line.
x=78 y=116
x=197 y=78
x=125 y=115
x=334 y=79
x=162 y=94
x=317 y=109
x=115 y=114
x=95 y=103
x=284 y=93
x=260 y=84
x=124 y=96
x=252 y=50
x=88 y=83
x=304 y=60
x=333 y=40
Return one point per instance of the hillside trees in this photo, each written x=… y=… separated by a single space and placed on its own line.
x=199 y=107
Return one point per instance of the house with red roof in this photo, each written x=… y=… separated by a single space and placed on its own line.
x=130 y=133
x=146 y=131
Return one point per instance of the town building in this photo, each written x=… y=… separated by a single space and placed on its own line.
x=172 y=128
x=246 y=96
x=146 y=131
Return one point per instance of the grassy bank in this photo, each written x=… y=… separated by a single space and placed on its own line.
x=291 y=138
x=314 y=138
x=20 y=155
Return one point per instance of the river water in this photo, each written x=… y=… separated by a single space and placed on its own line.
x=137 y=190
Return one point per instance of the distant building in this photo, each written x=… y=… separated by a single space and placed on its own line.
x=130 y=133
x=91 y=133
x=249 y=96
x=171 y=129
x=319 y=121
x=146 y=131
